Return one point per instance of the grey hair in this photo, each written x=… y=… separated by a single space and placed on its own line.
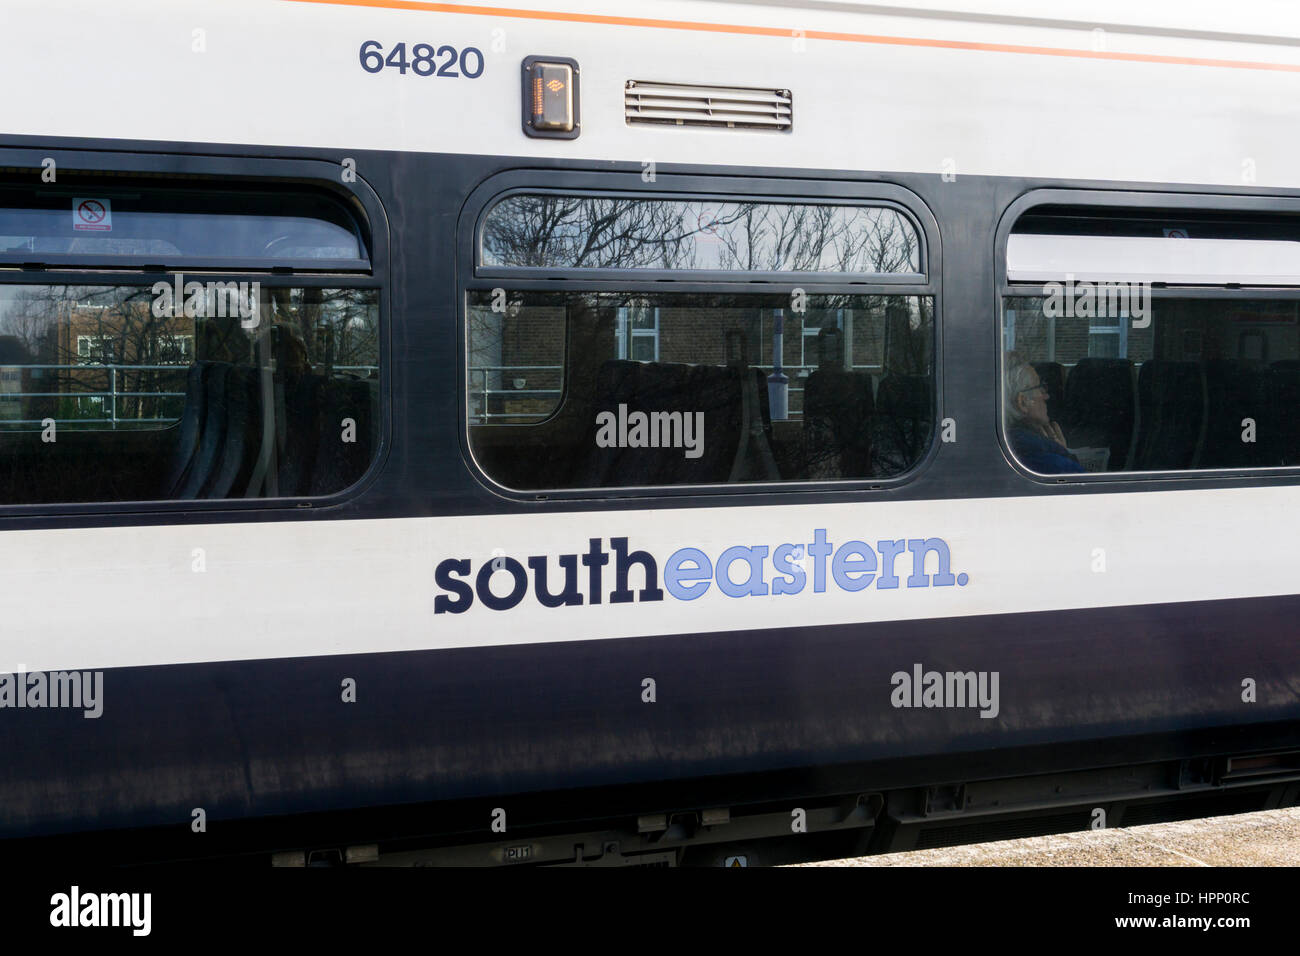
x=1019 y=377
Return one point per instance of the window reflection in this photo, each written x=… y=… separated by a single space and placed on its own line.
x=590 y=390
x=572 y=232
x=102 y=399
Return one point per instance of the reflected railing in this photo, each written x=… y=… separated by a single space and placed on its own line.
x=110 y=398
x=481 y=393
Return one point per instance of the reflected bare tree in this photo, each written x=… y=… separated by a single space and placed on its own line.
x=585 y=233
x=570 y=232
x=786 y=238
x=335 y=327
x=83 y=329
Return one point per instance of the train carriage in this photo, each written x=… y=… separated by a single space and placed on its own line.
x=735 y=432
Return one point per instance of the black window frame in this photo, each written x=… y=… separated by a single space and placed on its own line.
x=766 y=188
x=357 y=198
x=1175 y=202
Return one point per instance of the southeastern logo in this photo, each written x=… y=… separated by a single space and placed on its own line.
x=501 y=583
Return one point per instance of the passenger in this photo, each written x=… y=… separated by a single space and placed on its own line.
x=1036 y=440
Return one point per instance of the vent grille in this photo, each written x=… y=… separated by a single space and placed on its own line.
x=727 y=107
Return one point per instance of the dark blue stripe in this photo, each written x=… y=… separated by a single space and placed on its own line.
x=263 y=738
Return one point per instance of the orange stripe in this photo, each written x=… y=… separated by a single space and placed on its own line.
x=511 y=12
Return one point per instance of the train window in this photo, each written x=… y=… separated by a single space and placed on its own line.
x=547 y=231
x=114 y=226
x=575 y=390
x=1158 y=340
x=122 y=379
x=103 y=399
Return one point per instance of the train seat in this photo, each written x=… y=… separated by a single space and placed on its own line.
x=1099 y=407
x=220 y=435
x=198 y=475
x=1284 y=385
x=717 y=392
x=1171 y=419
x=900 y=428
x=1238 y=390
x=188 y=431
x=837 y=412
x=342 y=454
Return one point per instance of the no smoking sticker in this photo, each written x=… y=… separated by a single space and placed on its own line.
x=92 y=215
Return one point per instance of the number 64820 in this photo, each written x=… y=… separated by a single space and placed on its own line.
x=424 y=60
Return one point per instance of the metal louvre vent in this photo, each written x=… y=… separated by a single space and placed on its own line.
x=728 y=107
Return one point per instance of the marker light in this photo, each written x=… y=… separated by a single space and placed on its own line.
x=550 y=97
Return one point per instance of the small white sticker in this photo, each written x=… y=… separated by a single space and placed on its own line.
x=736 y=861
x=92 y=215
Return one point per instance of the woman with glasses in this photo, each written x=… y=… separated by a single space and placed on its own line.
x=1036 y=440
